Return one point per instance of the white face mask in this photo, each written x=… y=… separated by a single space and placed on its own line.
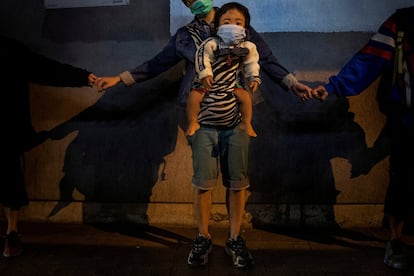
x=231 y=34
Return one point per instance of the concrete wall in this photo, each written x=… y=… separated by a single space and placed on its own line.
x=122 y=156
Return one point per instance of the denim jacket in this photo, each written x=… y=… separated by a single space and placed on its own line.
x=181 y=46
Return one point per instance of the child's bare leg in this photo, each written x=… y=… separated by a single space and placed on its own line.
x=246 y=109
x=193 y=108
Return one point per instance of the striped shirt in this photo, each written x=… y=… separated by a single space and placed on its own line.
x=220 y=107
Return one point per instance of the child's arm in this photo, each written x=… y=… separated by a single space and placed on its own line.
x=205 y=57
x=251 y=66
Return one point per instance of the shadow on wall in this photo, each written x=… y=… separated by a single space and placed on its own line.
x=290 y=158
x=120 y=146
x=122 y=141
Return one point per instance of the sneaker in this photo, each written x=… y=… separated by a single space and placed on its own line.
x=12 y=245
x=395 y=256
x=237 y=250
x=200 y=251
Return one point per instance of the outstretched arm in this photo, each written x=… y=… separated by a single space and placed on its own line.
x=319 y=93
x=270 y=64
x=160 y=63
x=301 y=90
x=107 y=82
x=373 y=60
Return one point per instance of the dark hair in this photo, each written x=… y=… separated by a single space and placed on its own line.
x=187 y=3
x=230 y=6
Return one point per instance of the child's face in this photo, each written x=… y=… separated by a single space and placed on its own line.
x=232 y=16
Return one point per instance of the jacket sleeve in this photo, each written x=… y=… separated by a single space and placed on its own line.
x=43 y=70
x=269 y=63
x=251 y=63
x=367 y=64
x=160 y=63
x=204 y=58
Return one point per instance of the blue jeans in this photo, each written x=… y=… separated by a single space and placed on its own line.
x=216 y=150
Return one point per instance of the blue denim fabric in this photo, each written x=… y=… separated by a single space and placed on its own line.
x=180 y=47
x=216 y=150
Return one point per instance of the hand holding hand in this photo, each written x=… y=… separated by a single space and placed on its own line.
x=92 y=79
x=107 y=82
x=302 y=91
x=320 y=93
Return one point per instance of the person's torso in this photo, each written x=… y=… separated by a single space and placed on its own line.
x=396 y=94
x=189 y=38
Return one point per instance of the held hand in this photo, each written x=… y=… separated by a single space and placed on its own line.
x=207 y=82
x=92 y=79
x=107 y=82
x=320 y=93
x=302 y=91
x=254 y=85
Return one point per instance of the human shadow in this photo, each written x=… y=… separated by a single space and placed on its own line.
x=145 y=231
x=351 y=238
x=122 y=140
x=120 y=145
x=290 y=158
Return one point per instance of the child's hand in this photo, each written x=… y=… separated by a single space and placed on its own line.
x=254 y=85
x=207 y=82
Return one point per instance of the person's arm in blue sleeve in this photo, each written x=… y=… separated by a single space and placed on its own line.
x=365 y=66
x=163 y=61
x=359 y=73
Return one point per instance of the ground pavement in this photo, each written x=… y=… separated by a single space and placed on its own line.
x=120 y=249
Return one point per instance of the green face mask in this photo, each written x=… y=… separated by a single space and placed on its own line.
x=201 y=7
